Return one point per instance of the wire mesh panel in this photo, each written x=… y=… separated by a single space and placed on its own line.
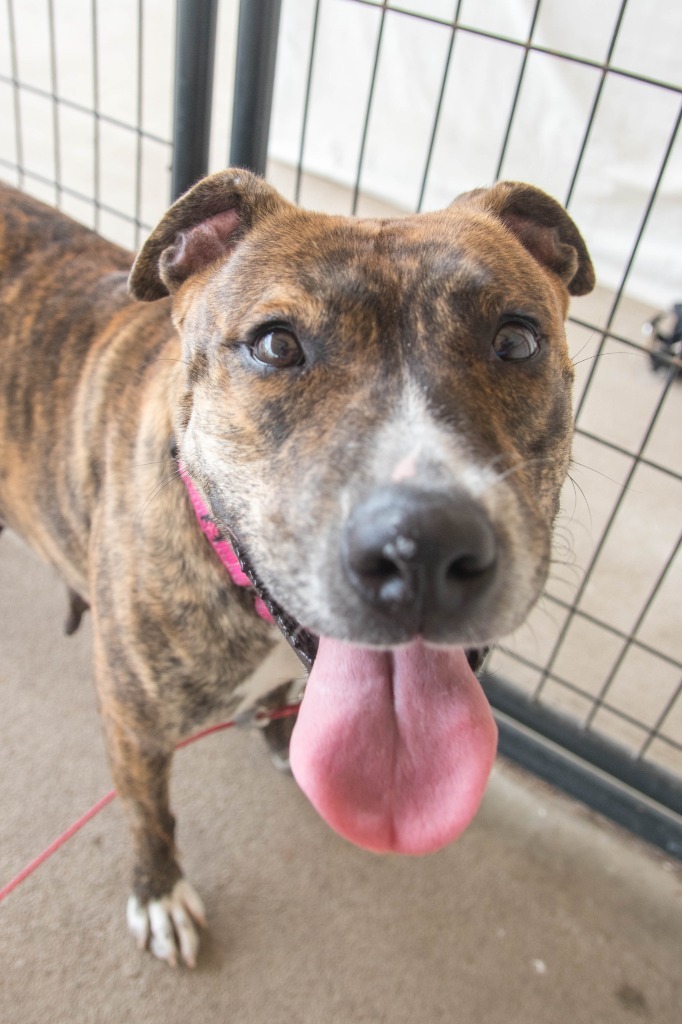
x=85 y=108
x=404 y=105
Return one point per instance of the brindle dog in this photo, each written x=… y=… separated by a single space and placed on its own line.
x=378 y=411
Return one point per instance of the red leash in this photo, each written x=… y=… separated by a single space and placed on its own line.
x=258 y=717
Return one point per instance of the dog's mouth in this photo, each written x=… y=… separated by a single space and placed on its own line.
x=392 y=747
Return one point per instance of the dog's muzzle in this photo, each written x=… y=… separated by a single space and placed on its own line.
x=393 y=552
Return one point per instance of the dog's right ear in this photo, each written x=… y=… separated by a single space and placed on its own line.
x=202 y=226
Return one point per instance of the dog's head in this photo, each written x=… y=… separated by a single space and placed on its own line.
x=380 y=410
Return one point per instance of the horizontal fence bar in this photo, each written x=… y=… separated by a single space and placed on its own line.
x=597 y=790
x=658 y=784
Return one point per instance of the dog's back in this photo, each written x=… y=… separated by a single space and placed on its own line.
x=63 y=294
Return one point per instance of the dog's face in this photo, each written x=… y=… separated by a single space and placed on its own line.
x=380 y=411
x=357 y=392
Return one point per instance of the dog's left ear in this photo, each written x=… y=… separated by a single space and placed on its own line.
x=542 y=226
x=202 y=226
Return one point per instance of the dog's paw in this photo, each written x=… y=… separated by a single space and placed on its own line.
x=169 y=925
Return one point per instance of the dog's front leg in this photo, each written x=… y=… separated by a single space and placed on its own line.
x=163 y=910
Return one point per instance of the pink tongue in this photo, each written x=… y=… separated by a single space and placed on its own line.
x=394 y=748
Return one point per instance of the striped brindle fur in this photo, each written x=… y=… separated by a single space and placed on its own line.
x=314 y=373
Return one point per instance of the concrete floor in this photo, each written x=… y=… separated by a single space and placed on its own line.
x=540 y=913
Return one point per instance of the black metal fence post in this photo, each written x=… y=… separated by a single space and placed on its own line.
x=254 y=81
x=194 y=60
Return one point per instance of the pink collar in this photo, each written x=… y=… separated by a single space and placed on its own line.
x=222 y=547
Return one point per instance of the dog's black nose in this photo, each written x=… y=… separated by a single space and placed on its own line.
x=423 y=557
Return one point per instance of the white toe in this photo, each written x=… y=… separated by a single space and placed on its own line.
x=191 y=900
x=169 y=924
x=162 y=940
x=138 y=921
x=187 y=935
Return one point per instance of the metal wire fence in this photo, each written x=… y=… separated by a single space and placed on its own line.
x=620 y=708
x=65 y=115
x=596 y=680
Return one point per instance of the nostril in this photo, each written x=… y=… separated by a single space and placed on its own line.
x=383 y=579
x=377 y=562
x=466 y=567
x=374 y=566
x=385 y=568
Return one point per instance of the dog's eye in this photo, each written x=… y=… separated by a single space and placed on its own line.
x=515 y=340
x=278 y=348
